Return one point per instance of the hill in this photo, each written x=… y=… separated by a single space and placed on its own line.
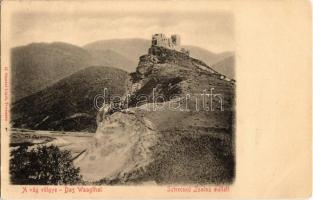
x=130 y=48
x=166 y=131
x=224 y=66
x=38 y=65
x=68 y=104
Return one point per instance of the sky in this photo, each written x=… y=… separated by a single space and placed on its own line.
x=213 y=31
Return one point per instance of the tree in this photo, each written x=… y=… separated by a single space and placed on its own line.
x=44 y=165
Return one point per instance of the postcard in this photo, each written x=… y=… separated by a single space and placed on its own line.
x=156 y=99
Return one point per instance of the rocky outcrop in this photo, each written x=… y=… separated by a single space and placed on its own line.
x=167 y=132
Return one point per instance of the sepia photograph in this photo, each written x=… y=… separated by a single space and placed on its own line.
x=134 y=98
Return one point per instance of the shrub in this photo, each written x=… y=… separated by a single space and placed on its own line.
x=44 y=165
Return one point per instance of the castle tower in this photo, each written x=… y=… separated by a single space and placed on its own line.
x=159 y=39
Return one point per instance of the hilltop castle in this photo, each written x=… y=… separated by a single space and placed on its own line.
x=173 y=42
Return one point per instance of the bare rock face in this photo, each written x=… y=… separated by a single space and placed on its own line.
x=121 y=147
x=168 y=136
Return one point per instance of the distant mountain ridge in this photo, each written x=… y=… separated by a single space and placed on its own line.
x=39 y=65
x=130 y=48
x=111 y=58
x=134 y=48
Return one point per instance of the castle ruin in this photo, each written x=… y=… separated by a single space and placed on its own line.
x=173 y=42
